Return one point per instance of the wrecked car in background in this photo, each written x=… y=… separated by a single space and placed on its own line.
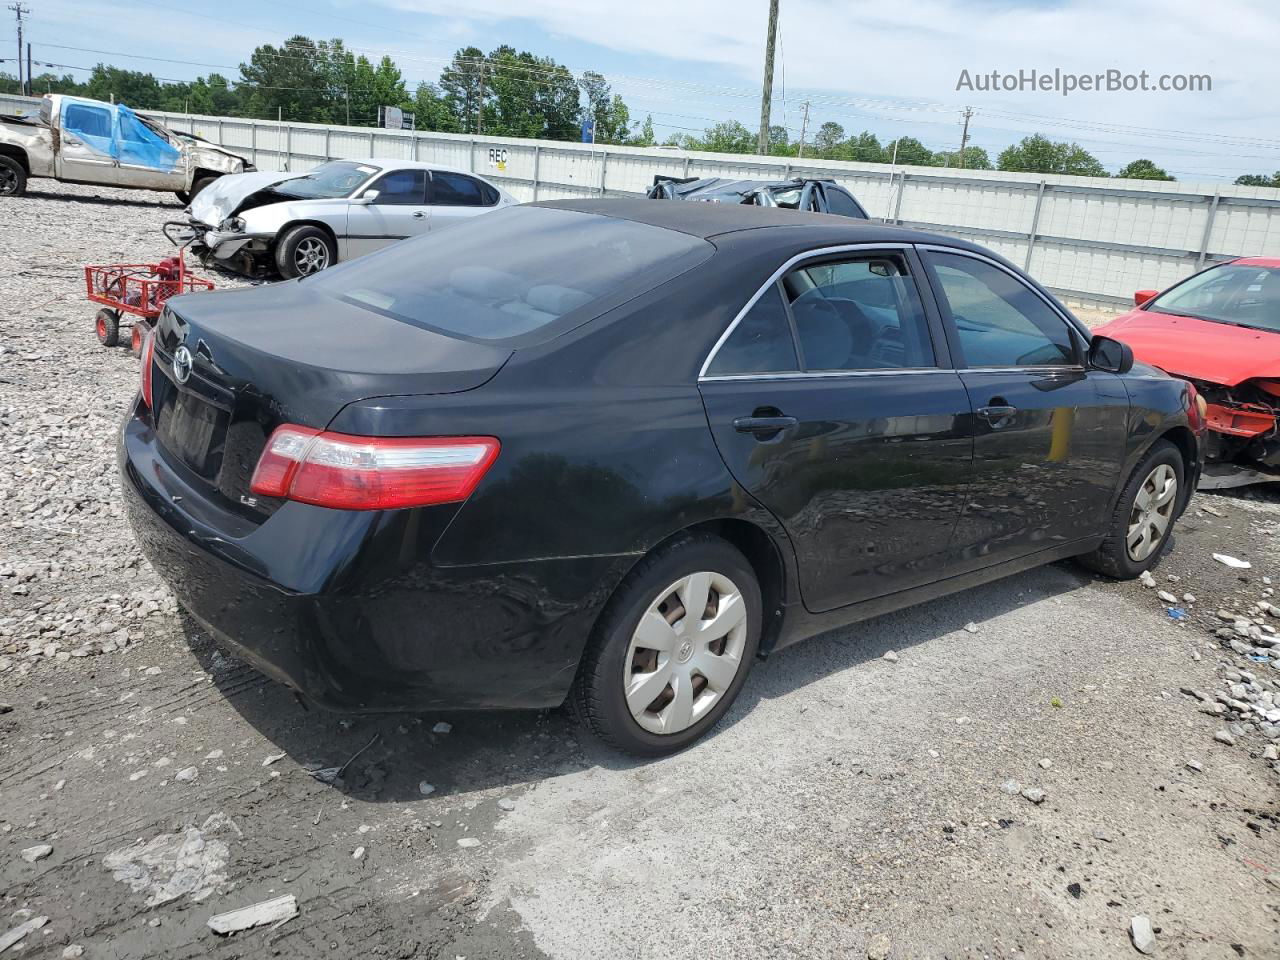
x=76 y=140
x=300 y=223
x=811 y=194
x=1220 y=329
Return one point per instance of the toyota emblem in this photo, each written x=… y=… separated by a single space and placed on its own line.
x=182 y=364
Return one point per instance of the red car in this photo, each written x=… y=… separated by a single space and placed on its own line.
x=1220 y=329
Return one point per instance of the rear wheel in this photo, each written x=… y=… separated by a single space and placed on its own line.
x=13 y=179
x=107 y=326
x=136 y=334
x=1144 y=515
x=304 y=250
x=673 y=648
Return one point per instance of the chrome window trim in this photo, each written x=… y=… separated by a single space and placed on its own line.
x=774 y=278
x=825 y=374
x=1066 y=318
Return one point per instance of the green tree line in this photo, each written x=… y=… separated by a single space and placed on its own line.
x=516 y=93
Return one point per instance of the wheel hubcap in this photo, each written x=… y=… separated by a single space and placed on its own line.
x=8 y=181
x=311 y=255
x=685 y=652
x=1152 y=512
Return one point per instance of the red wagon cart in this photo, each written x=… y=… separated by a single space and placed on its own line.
x=138 y=290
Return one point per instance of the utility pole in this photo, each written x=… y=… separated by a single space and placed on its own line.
x=480 y=105
x=804 y=126
x=964 y=136
x=31 y=77
x=766 y=97
x=19 y=10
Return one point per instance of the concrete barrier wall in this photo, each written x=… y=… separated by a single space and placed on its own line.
x=1092 y=240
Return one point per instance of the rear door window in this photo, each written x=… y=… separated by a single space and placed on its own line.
x=999 y=320
x=90 y=124
x=863 y=313
x=457 y=190
x=761 y=342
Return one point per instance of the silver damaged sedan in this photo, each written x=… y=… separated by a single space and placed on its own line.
x=299 y=223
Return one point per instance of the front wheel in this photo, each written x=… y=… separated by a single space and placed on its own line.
x=1142 y=522
x=304 y=250
x=673 y=648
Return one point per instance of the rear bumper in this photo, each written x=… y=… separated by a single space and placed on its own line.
x=347 y=608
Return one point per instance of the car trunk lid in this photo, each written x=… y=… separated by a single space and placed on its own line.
x=230 y=367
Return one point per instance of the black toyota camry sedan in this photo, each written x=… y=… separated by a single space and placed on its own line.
x=616 y=451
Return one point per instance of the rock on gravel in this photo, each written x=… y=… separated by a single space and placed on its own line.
x=7 y=940
x=1143 y=937
x=269 y=911
x=38 y=852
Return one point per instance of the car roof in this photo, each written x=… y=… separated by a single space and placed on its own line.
x=725 y=185
x=1258 y=261
x=397 y=163
x=707 y=220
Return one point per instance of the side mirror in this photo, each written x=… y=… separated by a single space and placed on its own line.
x=1142 y=296
x=1110 y=355
x=367 y=197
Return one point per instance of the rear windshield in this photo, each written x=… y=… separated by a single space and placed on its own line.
x=506 y=274
x=329 y=181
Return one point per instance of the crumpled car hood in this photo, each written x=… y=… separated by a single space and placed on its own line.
x=220 y=199
x=1198 y=349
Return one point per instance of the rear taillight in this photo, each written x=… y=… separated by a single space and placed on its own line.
x=370 y=473
x=148 y=357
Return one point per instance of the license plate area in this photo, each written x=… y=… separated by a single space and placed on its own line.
x=191 y=421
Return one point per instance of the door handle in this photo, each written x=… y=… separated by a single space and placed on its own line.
x=418 y=214
x=997 y=412
x=764 y=425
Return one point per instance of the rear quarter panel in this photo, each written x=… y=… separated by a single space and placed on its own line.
x=34 y=141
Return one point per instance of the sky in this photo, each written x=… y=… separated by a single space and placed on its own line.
x=889 y=68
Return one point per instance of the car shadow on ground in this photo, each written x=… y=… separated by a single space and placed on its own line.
x=385 y=758
x=158 y=204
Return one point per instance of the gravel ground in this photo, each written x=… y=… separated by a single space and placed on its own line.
x=850 y=806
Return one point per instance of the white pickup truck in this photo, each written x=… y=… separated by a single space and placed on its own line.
x=87 y=141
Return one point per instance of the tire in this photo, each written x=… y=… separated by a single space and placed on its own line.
x=13 y=178
x=107 y=326
x=137 y=333
x=186 y=196
x=1114 y=557
x=304 y=250
x=689 y=702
